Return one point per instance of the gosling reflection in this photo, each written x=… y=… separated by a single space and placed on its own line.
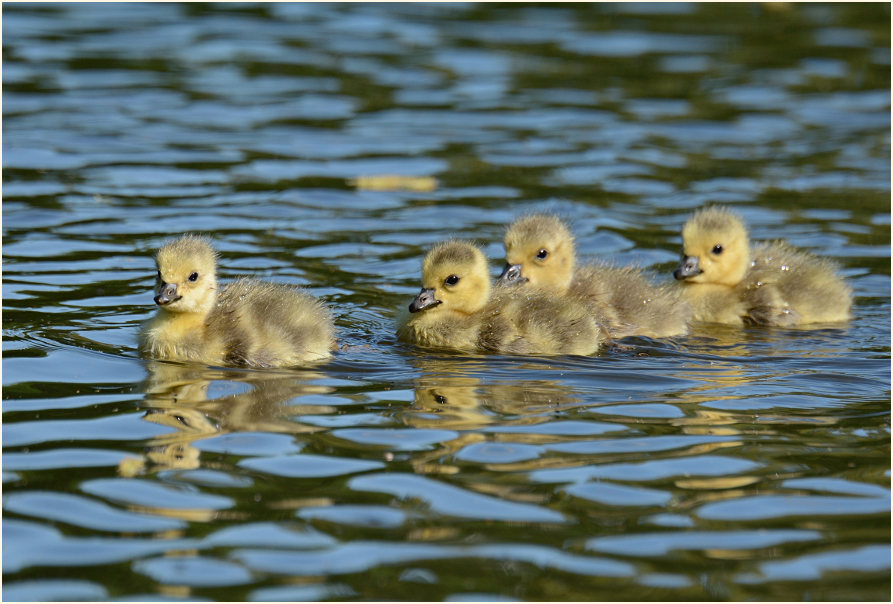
x=200 y=402
x=725 y=341
x=450 y=394
x=488 y=415
x=451 y=402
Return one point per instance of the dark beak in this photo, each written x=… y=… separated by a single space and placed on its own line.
x=424 y=300
x=167 y=294
x=687 y=268
x=511 y=274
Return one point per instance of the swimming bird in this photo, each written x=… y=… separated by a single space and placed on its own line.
x=458 y=309
x=248 y=323
x=540 y=253
x=726 y=280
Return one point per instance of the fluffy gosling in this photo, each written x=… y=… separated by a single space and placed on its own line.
x=726 y=280
x=249 y=323
x=457 y=309
x=539 y=253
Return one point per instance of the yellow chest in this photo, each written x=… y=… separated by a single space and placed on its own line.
x=714 y=303
x=179 y=337
x=457 y=332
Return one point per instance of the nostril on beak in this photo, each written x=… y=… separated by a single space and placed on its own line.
x=424 y=300
x=511 y=273
x=167 y=294
x=687 y=268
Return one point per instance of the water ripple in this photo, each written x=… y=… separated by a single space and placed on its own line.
x=454 y=501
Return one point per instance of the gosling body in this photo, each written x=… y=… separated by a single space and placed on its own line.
x=458 y=309
x=726 y=280
x=246 y=323
x=540 y=254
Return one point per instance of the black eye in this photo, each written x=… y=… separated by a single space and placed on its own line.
x=542 y=254
x=451 y=280
x=717 y=249
x=193 y=276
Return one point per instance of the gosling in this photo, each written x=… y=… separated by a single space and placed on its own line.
x=728 y=281
x=457 y=309
x=250 y=323
x=539 y=253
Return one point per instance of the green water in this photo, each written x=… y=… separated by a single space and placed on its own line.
x=729 y=464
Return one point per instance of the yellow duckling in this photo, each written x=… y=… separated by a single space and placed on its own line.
x=539 y=252
x=456 y=310
x=250 y=323
x=772 y=283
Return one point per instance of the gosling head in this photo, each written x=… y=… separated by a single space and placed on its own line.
x=539 y=249
x=455 y=277
x=715 y=248
x=186 y=281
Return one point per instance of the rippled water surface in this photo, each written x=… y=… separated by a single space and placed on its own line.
x=727 y=464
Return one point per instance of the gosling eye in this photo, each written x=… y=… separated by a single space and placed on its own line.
x=193 y=276
x=542 y=254
x=451 y=280
x=717 y=249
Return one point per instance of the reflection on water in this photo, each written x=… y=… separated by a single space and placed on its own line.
x=451 y=393
x=329 y=146
x=177 y=396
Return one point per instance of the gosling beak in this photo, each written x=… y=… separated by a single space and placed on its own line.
x=167 y=294
x=424 y=300
x=511 y=274
x=687 y=268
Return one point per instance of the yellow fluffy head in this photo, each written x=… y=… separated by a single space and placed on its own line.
x=539 y=249
x=715 y=248
x=187 y=275
x=455 y=277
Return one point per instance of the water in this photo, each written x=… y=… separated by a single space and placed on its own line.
x=728 y=464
